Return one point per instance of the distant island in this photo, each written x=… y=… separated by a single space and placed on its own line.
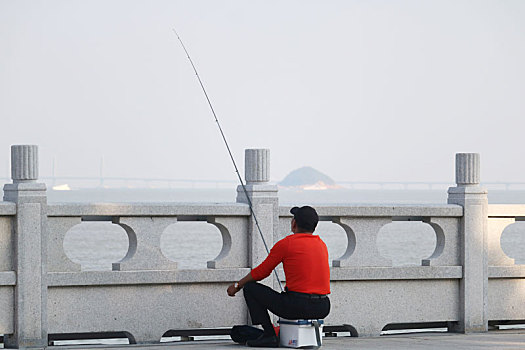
x=308 y=178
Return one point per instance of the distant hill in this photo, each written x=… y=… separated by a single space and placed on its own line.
x=309 y=179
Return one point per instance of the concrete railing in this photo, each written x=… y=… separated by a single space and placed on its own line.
x=463 y=284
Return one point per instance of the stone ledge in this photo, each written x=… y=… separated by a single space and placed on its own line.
x=7 y=208
x=7 y=278
x=395 y=273
x=443 y=210
x=96 y=278
x=147 y=209
x=512 y=271
x=391 y=273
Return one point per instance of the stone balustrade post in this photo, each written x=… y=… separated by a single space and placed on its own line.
x=265 y=203
x=30 y=228
x=473 y=250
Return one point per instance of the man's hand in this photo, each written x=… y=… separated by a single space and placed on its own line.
x=232 y=290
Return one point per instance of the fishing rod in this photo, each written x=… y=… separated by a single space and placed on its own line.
x=230 y=153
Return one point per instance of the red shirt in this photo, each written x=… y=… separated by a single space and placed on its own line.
x=305 y=261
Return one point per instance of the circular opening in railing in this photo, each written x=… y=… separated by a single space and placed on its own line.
x=513 y=242
x=191 y=244
x=334 y=236
x=406 y=243
x=96 y=245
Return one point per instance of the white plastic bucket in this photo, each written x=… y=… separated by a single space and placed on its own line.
x=299 y=333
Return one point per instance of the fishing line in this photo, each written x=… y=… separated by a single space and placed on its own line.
x=229 y=152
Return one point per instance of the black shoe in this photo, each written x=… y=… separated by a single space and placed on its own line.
x=264 y=341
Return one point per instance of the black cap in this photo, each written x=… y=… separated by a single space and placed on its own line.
x=306 y=217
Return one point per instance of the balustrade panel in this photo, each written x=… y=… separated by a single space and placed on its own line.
x=144 y=251
x=234 y=251
x=447 y=251
x=362 y=237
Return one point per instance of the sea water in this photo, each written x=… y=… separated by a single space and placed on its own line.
x=96 y=245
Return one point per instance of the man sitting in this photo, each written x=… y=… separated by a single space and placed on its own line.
x=306 y=267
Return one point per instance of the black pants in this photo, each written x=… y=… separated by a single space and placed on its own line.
x=261 y=298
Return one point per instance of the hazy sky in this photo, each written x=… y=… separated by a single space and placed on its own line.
x=360 y=90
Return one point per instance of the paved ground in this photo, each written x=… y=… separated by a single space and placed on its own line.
x=510 y=339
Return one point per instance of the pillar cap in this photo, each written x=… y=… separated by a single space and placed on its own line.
x=467 y=169
x=24 y=163
x=257 y=165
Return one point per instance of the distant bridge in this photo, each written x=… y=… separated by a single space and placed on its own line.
x=136 y=182
x=424 y=185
